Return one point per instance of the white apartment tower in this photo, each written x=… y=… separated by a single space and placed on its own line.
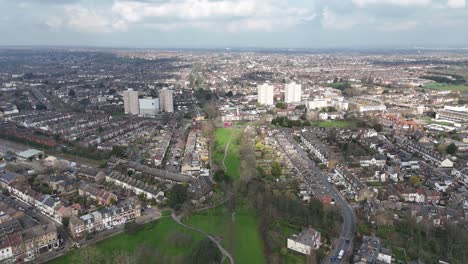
x=265 y=94
x=131 y=104
x=166 y=100
x=292 y=93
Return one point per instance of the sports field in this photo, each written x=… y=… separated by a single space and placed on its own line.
x=446 y=87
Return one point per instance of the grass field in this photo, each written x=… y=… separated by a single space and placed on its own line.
x=232 y=159
x=446 y=87
x=241 y=237
x=333 y=123
x=155 y=234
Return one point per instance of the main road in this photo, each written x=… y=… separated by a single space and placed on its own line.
x=345 y=240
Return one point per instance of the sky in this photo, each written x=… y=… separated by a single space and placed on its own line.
x=236 y=23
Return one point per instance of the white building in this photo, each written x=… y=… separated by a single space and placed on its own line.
x=338 y=103
x=265 y=94
x=166 y=100
x=131 y=104
x=292 y=93
x=149 y=106
x=305 y=242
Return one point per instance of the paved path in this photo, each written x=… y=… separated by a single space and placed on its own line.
x=225 y=152
x=216 y=241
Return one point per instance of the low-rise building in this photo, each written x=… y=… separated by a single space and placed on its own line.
x=305 y=242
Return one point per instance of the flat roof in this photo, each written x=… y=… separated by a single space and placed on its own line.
x=29 y=153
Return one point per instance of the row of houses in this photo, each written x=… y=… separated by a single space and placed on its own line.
x=426 y=153
x=25 y=245
x=49 y=205
x=353 y=185
x=103 y=219
x=320 y=150
x=136 y=186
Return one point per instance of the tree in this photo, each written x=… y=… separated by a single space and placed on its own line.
x=281 y=105
x=178 y=196
x=72 y=93
x=377 y=127
x=206 y=252
x=210 y=110
x=65 y=221
x=452 y=149
x=219 y=176
x=415 y=180
x=119 y=151
x=276 y=169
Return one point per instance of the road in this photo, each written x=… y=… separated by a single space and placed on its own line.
x=346 y=238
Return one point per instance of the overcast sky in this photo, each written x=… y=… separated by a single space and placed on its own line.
x=235 y=23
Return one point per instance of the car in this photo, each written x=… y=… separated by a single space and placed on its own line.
x=347 y=241
x=333 y=259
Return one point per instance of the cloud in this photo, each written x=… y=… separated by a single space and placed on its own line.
x=330 y=20
x=233 y=15
x=456 y=3
x=84 y=19
x=362 y=3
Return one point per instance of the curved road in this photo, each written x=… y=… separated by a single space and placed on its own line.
x=217 y=242
x=345 y=240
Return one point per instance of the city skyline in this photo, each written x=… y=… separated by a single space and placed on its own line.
x=235 y=24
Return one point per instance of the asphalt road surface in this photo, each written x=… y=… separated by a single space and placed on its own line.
x=345 y=240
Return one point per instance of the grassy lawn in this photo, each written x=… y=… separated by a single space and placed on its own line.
x=232 y=159
x=155 y=234
x=333 y=123
x=241 y=237
x=446 y=87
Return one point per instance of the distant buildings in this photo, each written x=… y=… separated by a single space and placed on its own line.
x=149 y=106
x=166 y=100
x=265 y=94
x=131 y=104
x=292 y=93
x=454 y=114
x=305 y=242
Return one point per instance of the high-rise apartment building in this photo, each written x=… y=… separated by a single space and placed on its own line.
x=131 y=104
x=292 y=93
x=265 y=94
x=166 y=100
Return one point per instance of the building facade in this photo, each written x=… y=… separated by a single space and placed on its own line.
x=265 y=94
x=292 y=93
x=166 y=100
x=131 y=104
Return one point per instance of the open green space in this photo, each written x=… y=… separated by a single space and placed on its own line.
x=333 y=123
x=229 y=136
x=239 y=232
x=158 y=236
x=446 y=87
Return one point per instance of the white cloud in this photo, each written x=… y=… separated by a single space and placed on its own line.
x=233 y=15
x=456 y=3
x=330 y=20
x=393 y=2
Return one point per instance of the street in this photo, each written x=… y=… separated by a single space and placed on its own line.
x=346 y=238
